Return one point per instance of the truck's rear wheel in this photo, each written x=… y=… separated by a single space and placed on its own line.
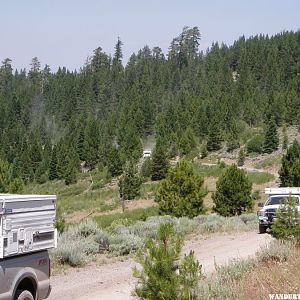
x=23 y=295
x=262 y=229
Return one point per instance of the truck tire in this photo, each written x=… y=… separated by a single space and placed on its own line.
x=23 y=295
x=262 y=229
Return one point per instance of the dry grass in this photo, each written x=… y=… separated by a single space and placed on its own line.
x=273 y=277
x=275 y=270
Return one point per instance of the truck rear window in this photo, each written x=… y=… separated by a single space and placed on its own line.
x=279 y=199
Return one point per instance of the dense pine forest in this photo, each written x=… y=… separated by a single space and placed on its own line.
x=55 y=124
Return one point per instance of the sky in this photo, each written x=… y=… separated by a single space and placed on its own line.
x=65 y=32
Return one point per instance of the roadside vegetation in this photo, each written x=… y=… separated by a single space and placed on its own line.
x=84 y=242
x=270 y=271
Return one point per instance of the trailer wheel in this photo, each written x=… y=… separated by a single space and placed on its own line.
x=262 y=229
x=23 y=295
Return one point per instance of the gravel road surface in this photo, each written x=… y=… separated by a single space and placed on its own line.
x=114 y=281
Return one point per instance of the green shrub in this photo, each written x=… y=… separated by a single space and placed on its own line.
x=290 y=168
x=86 y=228
x=241 y=158
x=146 y=168
x=255 y=145
x=130 y=183
x=163 y=277
x=123 y=244
x=256 y=195
x=60 y=222
x=182 y=192
x=102 y=239
x=287 y=223
x=73 y=249
x=233 y=195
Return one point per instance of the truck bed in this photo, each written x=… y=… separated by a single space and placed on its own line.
x=14 y=269
x=27 y=224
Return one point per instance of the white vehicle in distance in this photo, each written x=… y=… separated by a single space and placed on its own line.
x=277 y=196
x=146 y=153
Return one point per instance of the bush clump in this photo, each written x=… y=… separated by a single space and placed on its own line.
x=255 y=145
x=233 y=195
x=182 y=192
x=290 y=166
x=287 y=223
x=163 y=276
x=275 y=251
x=78 y=244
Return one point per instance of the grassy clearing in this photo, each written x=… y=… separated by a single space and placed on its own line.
x=217 y=171
x=209 y=171
x=87 y=194
x=270 y=161
x=130 y=216
x=260 y=177
x=275 y=269
x=82 y=195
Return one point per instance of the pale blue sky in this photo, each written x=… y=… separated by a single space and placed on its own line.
x=65 y=32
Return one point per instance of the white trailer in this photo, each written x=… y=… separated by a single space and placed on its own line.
x=27 y=224
x=283 y=191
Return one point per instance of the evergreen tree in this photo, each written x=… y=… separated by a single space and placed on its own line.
x=91 y=143
x=233 y=195
x=80 y=145
x=62 y=158
x=287 y=223
x=160 y=164
x=285 y=138
x=35 y=71
x=241 y=158
x=233 y=138
x=4 y=177
x=114 y=162
x=118 y=50
x=9 y=184
x=162 y=276
x=104 y=104
x=289 y=172
x=41 y=173
x=146 y=168
x=71 y=174
x=271 y=138
x=214 y=138
x=129 y=183
x=187 y=142
x=34 y=153
x=182 y=192
x=53 y=165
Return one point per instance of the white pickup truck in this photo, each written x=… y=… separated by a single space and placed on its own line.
x=276 y=196
x=27 y=231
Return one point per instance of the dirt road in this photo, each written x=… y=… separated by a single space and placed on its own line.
x=114 y=281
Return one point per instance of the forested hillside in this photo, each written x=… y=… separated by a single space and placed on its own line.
x=52 y=124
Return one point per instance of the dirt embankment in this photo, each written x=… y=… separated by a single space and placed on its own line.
x=114 y=281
